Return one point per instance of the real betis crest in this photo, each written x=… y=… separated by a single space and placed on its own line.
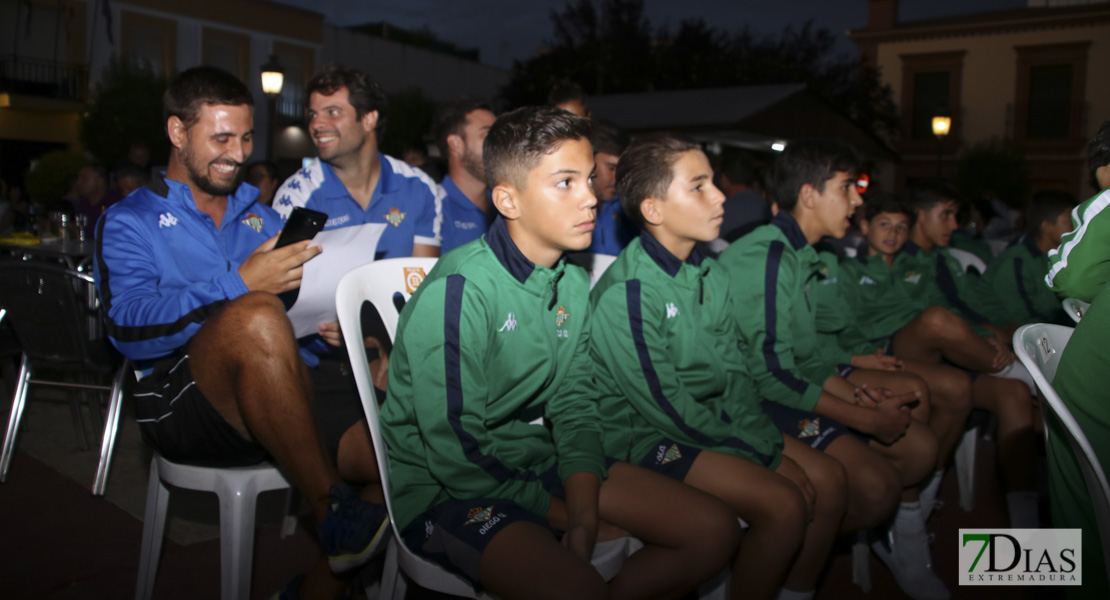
x=479 y=515
x=672 y=454
x=809 y=428
x=561 y=316
x=254 y=222
x=394 y=217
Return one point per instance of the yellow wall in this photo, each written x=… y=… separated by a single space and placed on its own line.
x=990 y=73
x=39 y=126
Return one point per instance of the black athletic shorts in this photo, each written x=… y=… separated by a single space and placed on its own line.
x=816 y=431
x=178 y=421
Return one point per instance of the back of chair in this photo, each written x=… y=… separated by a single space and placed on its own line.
x=386 y=284
x=968 y=260
x=595 y=264
x=1075 y=308
x=49 y=309
x=1039 y=347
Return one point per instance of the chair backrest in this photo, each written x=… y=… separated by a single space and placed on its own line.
x=1039 y=347
x=381 y=283
x=50 y=308
x=968 y=260
x=1075 y=308
x=595 y=264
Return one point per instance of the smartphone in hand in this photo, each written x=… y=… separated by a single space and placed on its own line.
x=302 y=224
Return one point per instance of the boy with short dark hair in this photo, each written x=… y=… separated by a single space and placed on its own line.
x=675 y=395
x=614 y=230
x=1017 y=275
x=773 y=270
x=497 y=335
x=884 y=286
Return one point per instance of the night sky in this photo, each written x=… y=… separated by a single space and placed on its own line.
x=504 y=30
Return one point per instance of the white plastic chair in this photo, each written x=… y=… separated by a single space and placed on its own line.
x=595 y=264
x=1075 y=308
x=238 y=490
x=1039 y=347
x=968 y=260
x=379 y=283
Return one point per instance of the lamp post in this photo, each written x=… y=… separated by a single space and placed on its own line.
x=942 y=124
x=273 y=77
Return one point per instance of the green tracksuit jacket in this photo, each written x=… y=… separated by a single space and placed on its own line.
x=838 y=334
x=772 y=271
x=488 y=343
x=942 y=282
x=668 y=362
x=1020 y=292
x=878 y=295
x=1080 y=268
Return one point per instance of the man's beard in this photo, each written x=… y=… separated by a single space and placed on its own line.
x=201 y=179
x=473 y=164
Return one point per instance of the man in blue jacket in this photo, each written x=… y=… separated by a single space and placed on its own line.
x=188 y=274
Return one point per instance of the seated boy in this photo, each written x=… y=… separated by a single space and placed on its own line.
x=1017 y=275
x=1080 y=268
x=772 y=272
x=496 y=336
x=883 y=286
x=675 y=396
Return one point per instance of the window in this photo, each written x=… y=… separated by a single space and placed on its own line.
x=1048 y=102
x=227 y=51
x=149 y=41
x=930 y=87
x=930 y=98
x=299 y=63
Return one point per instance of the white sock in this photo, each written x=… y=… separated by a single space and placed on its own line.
x=909 y=519
x=1023 y=510
x=929 y=494
x=785 y=594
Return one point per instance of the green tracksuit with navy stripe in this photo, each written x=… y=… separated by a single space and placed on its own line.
x=1080 y=268
x=772 y=271
x=877 y=295
x=839 y=337
x=487 y=344
x=942 y=282
x=668 y=362
x=1017 y=278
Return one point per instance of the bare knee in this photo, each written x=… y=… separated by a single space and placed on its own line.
x=874 y=489
x=830 y=481
x=785 y=513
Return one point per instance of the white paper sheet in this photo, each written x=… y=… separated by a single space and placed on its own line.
x=344 y=249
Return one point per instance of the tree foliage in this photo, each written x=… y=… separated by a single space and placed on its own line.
x=49 y=176
x=610 y=47
x=126 y=107
x=408 y=117
x=993 y=169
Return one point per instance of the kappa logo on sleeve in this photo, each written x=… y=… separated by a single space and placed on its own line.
x=672 y=310
x=509 y=324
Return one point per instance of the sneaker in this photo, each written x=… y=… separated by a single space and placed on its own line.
x=353 y=530
x=909 y=561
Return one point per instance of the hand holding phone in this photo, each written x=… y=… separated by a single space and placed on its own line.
x=302 y=224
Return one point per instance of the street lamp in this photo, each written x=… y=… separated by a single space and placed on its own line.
x=273 y=77
x=942 y=124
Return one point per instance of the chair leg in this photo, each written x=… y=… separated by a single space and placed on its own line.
x=391 y=572
x=78 y=422
x=861 y=562
x=111 y=427
x=292 y=504
x=18 y=402
x=236 y=537
x=154 y=526
x=965 y=468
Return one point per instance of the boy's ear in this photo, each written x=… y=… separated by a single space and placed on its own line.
x=178 y=134
x=506 y=199
x=864 y=226
x=652 y=211
x=807 y=196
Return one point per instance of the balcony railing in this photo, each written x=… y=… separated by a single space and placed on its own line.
x=43 y=78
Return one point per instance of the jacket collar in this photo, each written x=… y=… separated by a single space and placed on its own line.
x=791 y=229
x=663 y=257
x=506 y=251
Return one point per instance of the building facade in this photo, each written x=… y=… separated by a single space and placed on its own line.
x=1034 y=76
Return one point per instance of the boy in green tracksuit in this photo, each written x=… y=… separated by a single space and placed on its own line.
x=675 y=393
x=1080 y=268
x=773 y=272
x=884 y=282
x=496 y=336
x=1017 y=275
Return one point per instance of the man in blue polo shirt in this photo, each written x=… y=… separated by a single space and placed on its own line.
x=350 y=180
x=614 y=229
x=460 y=129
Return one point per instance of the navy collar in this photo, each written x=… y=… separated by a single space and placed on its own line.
x=157 y=184
x=506 y=251
x=911 y=248
x=1031 y=244
x=790 y=228
x=664 y=258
